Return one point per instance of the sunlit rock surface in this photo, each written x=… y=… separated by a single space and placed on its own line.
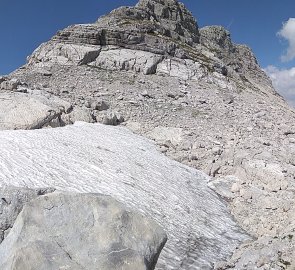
x=114 y=161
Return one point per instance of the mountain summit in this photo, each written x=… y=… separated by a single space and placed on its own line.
x=165 y=29
x=175 y=20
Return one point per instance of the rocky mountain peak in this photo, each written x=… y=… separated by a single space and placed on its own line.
x=168 y=19
x=173 y=16
x=216 y=36
x=155 y=30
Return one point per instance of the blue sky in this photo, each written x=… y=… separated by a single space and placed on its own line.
x=26 y=24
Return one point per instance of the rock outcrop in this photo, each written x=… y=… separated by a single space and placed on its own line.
x=81 y=231
x=116 y=162
x=239 y=59
x=146 y=37
x=158 y=27
x=172 y=19
x=24 y=108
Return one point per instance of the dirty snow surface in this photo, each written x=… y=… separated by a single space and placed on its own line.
x=114 y=161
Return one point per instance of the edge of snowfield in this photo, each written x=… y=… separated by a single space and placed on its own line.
x=114 y=161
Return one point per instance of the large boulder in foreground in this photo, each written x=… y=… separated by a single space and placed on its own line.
x=113 y=161
x=81 y=231
x=12 y=202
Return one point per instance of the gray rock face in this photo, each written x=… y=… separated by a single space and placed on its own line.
x=153 y=26
x=37 y=109
x=173 y=18
x=126 y=59
x=216 y=38
x=158 y=27
x=81 y=231
x=64 y=54
x=143 y=38
x=245 y=63
x=12 y=202
x=239 y=59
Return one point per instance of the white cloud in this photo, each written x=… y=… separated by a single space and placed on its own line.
x=288 y=32
x=283 y=81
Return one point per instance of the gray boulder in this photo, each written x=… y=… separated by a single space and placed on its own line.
x=10 y=85
x=81 y=231
x=12 y=202
x=110 y=118
x=99 y=105
x=36 y=110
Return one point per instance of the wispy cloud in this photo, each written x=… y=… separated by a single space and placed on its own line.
x=288 y=32
x=284 y=81
x=230 y=24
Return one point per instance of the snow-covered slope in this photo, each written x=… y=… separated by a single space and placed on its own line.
x=114 y=161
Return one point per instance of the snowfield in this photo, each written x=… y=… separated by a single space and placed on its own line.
x=114 y=161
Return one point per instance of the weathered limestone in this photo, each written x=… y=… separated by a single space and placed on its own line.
x=239 y=59
x=139 y=38
x=63 y=54
x=180 y=68
x=153 y=26
x=217 y=39
x=173 y=17
x=163 y=134
x=81 y=231
x=22 y=111
x=12 y=201
x=34 y=110
x=125 y=59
